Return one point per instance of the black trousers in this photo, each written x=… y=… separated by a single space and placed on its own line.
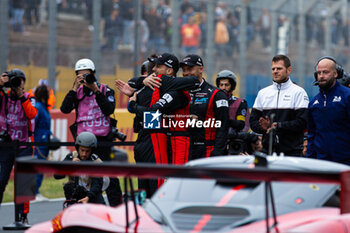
x=114 y=193
x=7 y=159
x=144 y=153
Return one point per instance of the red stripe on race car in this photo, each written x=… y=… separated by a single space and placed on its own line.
x=201 y=223
x=229 y=195
x=206 y=218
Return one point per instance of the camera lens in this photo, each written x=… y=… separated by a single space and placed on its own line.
x=116 y=134
x=237 y=146
x=90 y=78
x=15 y=81
x=121 y=136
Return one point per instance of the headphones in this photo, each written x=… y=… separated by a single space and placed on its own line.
x=339 y=68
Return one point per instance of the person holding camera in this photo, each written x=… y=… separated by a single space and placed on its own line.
x=329 y=115
x=84 y=189
x=280 y=110
x=17 y=111
x=93 y=103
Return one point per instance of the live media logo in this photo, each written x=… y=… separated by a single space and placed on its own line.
x=151 y=120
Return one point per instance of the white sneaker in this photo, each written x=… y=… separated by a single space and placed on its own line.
x=40 y=197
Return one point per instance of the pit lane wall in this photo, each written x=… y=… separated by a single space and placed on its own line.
x=60 y=128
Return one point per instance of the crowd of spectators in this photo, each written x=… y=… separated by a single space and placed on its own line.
x=156 y=25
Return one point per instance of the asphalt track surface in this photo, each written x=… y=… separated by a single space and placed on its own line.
x=39 y=212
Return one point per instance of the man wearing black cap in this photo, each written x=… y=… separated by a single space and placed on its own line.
x=166 y=64
x=169 y=98
x=208 y=104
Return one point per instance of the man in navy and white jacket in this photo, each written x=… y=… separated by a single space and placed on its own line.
x=329 y=116
x=281 y=109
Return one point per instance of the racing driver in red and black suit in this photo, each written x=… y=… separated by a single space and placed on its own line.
x=169 y=98
x=175 y=102
x=207 y=103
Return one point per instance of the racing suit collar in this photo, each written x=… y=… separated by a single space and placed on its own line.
x=283 y=86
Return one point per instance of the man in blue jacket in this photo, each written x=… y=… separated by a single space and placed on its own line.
x=329 y=115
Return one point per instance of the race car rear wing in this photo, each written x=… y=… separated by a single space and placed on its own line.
x=115 y=169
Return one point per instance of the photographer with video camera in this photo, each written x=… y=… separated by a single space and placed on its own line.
x=244 y=143
x=83 y=189
x=94 y=103
x=17 y=110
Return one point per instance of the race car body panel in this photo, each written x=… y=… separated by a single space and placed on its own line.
x=322 y=220
x=230 y=197
x=99 y=218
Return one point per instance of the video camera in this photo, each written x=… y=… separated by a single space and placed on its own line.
x=241 y=142
x=89 y=78
x=73 y=193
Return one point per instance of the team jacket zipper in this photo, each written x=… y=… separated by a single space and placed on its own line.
x=278 y=93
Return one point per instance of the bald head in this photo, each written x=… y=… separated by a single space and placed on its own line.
x=327 y=62
x=326 y=73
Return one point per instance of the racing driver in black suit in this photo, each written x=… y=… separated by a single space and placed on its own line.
x=210 y=104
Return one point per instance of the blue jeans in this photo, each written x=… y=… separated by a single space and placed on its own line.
x=40 y=154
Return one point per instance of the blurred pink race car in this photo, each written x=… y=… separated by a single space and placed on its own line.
x=235 y=197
